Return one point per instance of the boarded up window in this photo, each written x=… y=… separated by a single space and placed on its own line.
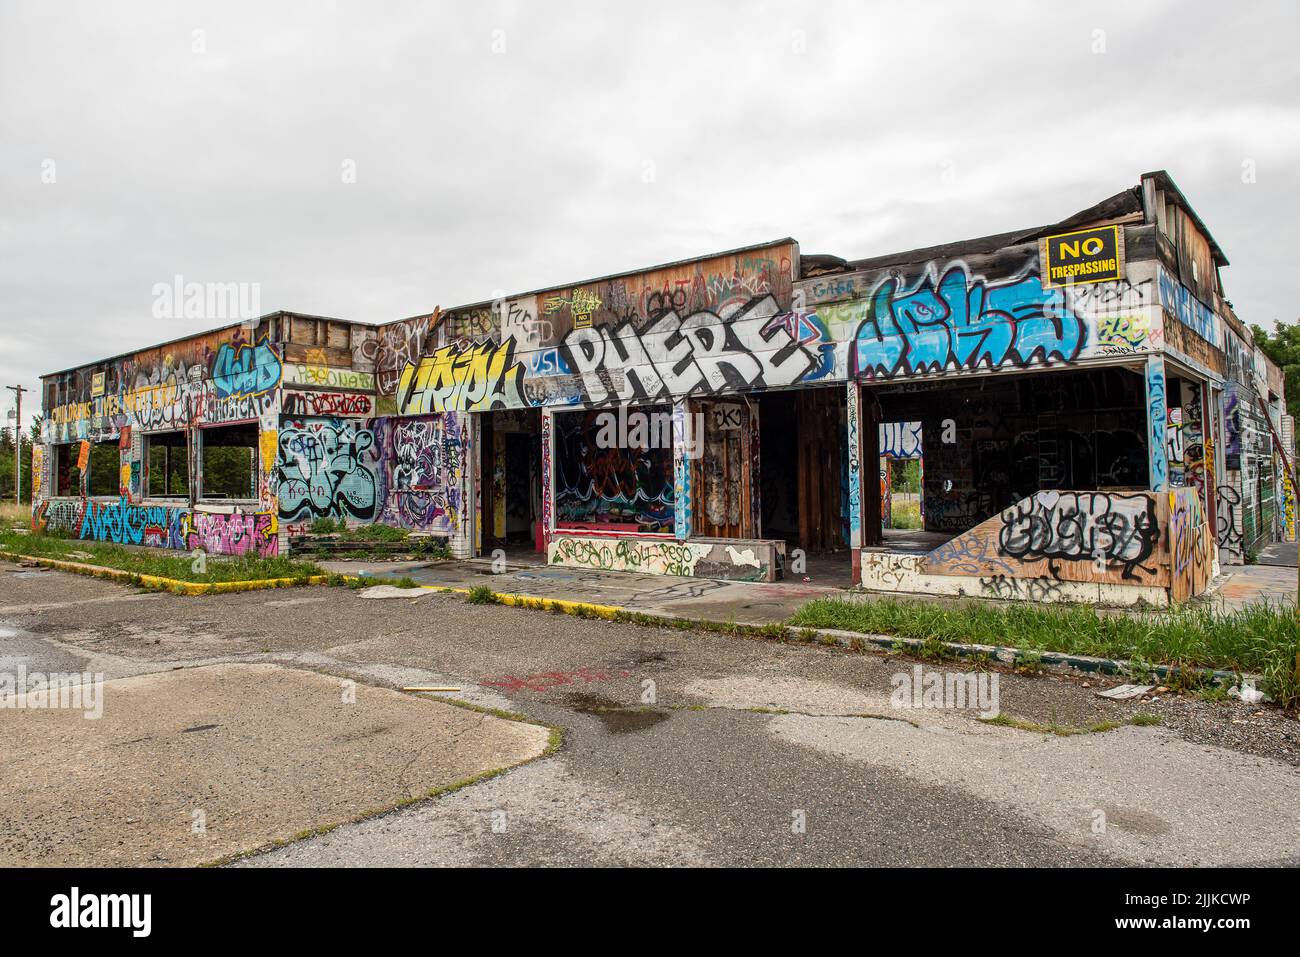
x=336 y=335
x=723 y=476
x=302 y=331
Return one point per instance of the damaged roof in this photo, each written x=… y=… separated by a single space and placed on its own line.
x=1124 y=203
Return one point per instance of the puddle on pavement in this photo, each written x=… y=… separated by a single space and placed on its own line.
x=1136 y=821
x=617 y=718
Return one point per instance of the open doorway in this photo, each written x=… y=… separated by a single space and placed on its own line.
x=509 y=480
x=902 y=470
x=803 y=480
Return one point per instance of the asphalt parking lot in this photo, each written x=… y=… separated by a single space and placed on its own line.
x=679 y=746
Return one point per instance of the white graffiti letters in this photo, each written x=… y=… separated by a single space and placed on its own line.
x=706 y=352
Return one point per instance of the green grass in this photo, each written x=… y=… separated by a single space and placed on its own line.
x=363 y=535
x=1263 y=639
x=372 y=533
x=13 y=514
x=481 y=595
x=158 y=562
x=905 y=514
x=1068 y=730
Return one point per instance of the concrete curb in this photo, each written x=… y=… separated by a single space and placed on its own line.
x=852 y=640
x=1009 y=655
x=845 y=639
x=535 y=602
x=169 y=584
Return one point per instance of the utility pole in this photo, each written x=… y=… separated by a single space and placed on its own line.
x=18 y=391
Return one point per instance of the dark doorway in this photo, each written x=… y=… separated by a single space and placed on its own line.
x=510 y=460
x=804 y=469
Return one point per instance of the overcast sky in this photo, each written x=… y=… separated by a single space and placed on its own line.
x=507 y=146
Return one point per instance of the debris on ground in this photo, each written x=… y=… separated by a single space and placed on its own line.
x=1124 y=692
x=1247 y=692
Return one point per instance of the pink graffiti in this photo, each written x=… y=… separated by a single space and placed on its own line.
x=240 y=534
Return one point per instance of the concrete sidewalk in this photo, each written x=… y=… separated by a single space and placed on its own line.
x=750 y=603
x=187 y=766
x=1246 y=585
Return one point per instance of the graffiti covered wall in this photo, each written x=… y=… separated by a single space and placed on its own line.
x=327 y=468
x=162 y=526
x=716 y=325
x=211 y=380
x=1068 y=546
x=423 y=472
x=222 y=378
x=741 y=560
x=1249 y=505
x=949 y=317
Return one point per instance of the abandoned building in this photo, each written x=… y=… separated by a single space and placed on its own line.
x=1090 y=420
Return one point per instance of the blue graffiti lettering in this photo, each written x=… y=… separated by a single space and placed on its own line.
x=245 y=370
x=960 y=322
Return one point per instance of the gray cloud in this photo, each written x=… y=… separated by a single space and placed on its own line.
x=599 y=139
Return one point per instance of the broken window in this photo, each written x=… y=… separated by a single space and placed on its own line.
x=169 y=465
x=105 y=469
x=228 y=462
x=614 y=469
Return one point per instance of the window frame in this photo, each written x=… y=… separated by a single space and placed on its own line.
x=148 y=445
x=198 y=448
x=91 y=472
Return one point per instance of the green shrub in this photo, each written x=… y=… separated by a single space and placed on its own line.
x=482 y=595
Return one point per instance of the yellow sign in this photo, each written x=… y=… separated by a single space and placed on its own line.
x=1086 y=255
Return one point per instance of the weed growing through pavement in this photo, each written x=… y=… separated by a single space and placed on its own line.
x=1261 y=639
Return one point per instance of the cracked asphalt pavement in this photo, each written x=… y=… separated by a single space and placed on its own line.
x=695 y=748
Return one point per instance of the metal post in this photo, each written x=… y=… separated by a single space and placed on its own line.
x=18 y=391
